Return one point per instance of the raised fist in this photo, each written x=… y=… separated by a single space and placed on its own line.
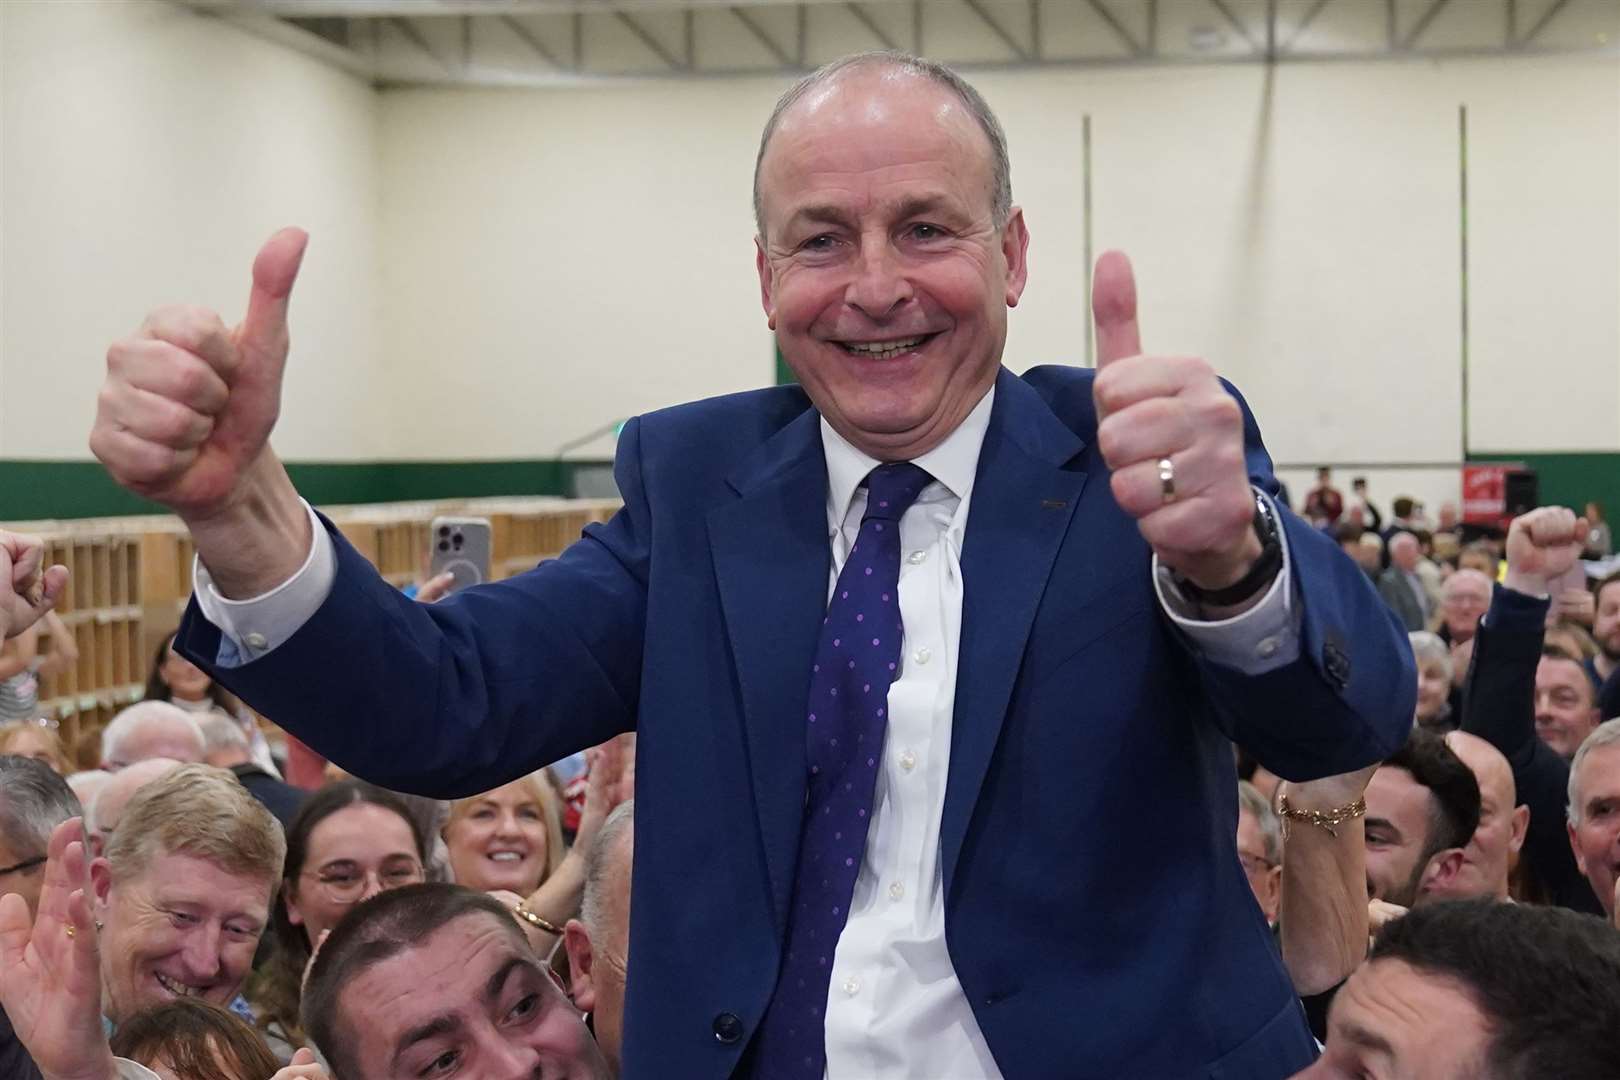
x=1541 y=547
x=188 y=405
x=1173 y=438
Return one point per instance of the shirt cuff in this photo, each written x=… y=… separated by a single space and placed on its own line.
x=248 y=629
x=1261 y=639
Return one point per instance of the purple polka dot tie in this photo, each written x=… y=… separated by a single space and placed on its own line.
x=859 y=656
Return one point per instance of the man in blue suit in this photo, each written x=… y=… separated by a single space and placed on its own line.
x=934 y=667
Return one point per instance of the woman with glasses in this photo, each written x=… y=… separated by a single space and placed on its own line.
x=348 y=842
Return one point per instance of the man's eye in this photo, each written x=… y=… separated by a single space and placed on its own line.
x=525 y=1008
x=340 y=879
x=824 y=242
x=181 y=918
x=926 y=232
x=442 y=1065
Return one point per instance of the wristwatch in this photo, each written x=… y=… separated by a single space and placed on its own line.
x=1260 y=575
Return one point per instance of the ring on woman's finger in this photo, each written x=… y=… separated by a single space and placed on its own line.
x=1167 y=480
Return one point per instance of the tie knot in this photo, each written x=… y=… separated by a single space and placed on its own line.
x=891 y=489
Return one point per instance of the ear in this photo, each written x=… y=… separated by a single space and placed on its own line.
x=1574 y=846
x=101 y=883
x=1441 y=873
x=1015 y=250
x=767 y=281
x=577 y=940
x=1272 y=898
x=289 y=897
x=1518 y=826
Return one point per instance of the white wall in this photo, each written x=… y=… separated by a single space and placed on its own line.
x=148 y=153
x=496 y=271
x=563 y=257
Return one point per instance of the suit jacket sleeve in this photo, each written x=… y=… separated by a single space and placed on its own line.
x=1499 y=706
x=472 y=691
x=1348 y=700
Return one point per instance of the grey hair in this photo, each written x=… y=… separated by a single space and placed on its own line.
x=221 y=732
x=1427 y=648
x=599 y=858
x=1251 y=801
x=1605 y=734
x=972 y=100
x=125 y=724
x=33 y=801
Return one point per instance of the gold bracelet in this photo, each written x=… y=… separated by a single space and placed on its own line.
x=534 y=920
x=1323 y=819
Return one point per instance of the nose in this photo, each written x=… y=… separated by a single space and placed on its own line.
x=201 y=953
x=879 y=287
x=506 y=1058
x=373 y=885
x=507 y=825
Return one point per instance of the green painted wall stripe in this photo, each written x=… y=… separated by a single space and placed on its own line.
x=1571 y=479
x=32 y=490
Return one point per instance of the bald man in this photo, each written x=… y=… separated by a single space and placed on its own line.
x=115 y=794
x=1494 y=848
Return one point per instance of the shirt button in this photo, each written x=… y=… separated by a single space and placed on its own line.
x=923 y=654
x=255 y=640
x=908 y=761
x=916 y=557
x=1268 y=648
x=852 y=986
x=897 y=891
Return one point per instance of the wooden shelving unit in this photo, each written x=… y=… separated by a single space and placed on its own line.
x=130 y=578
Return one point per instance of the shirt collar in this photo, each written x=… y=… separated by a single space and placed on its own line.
x=952 y=463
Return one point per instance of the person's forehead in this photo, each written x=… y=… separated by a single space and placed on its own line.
x=871 y=118
x=1394 y=794
x=1389 y=1000
x=445 y=974
x=360 y=829
x=1556 y=671
x=1609 y=595
x=1490 y=768
x=1600 y=773
x=179 y=877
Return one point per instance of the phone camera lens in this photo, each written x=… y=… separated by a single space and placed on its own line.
x=444 y=545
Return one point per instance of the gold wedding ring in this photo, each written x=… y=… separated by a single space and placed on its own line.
x=71 y=929
x=1167 y=480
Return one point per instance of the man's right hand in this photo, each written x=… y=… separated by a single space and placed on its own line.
x=1541 y=547
x=188 y=405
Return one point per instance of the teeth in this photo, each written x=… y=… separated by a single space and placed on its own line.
x=882 y=350
x=179 y=989
x=506 y=856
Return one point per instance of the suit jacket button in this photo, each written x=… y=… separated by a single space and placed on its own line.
x=727 y=1028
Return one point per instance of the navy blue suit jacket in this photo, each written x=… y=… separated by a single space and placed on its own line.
x=1096 y=912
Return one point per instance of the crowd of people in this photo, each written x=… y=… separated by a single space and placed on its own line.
x=1175 y=779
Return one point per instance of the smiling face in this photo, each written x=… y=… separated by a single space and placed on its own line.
x=1399 y=817
x=183 y=927
x=1392 y=1021
x=360 y=849
x=1464 y=599
x=1596 y=840
x=1565 y=712
x=498 y=840
x=881 y=268
x=468 y=1001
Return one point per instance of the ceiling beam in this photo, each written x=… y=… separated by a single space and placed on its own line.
x=871 y=24
x=762 y=37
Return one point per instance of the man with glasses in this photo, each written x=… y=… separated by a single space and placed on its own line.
x=1259 y=844
x=33 y=801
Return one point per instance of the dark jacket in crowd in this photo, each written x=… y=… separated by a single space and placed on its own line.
x=280 y=799
x=15 y=1064
x=1499 y=706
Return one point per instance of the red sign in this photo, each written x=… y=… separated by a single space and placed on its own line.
x=1484 y=491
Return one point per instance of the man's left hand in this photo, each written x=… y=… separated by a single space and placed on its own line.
x=1156 y=408
x=50 y=973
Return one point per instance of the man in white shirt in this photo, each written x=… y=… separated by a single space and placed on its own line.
x=1037 y=873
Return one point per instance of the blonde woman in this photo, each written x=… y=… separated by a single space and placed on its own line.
x=509 y=841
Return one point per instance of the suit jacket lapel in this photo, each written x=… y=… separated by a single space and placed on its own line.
x=771 y=560
x=1023 y=500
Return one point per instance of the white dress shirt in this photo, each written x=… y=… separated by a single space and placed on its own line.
x=895 y=1007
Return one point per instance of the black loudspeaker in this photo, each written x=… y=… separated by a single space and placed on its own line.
x=1521 y=492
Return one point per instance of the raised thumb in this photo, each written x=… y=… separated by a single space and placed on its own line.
x=1113 y=306
x=275 y=269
